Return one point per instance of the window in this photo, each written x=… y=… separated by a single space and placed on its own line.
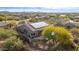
x=32 y=35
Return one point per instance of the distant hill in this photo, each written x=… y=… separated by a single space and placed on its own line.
x=41 y=9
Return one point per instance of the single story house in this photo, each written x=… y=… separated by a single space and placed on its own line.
x=69 y=24
x=31 y=30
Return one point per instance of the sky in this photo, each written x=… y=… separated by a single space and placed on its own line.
x=39 y=3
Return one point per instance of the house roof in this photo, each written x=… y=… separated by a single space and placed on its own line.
x=38 y=25
x=70 y=21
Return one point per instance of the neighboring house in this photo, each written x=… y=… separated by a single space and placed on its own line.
x=31 y=30
x=69 y=24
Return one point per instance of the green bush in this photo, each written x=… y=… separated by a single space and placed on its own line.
x=6 y=33
x=13 y=43
x=58 y=33
x=2 y=18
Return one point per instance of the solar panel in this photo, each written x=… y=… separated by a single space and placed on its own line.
x=39 y=24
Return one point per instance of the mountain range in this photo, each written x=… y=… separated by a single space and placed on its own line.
x=41 y=9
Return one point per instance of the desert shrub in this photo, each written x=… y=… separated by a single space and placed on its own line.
x=75 y=31
x=5 y=33
x=21 y=22
x=58 y=33
x=33 y=20
x=2 y=18
x=13 y=43
x=12 y=21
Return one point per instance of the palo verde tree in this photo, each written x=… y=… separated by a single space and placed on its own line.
x=60 y=34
